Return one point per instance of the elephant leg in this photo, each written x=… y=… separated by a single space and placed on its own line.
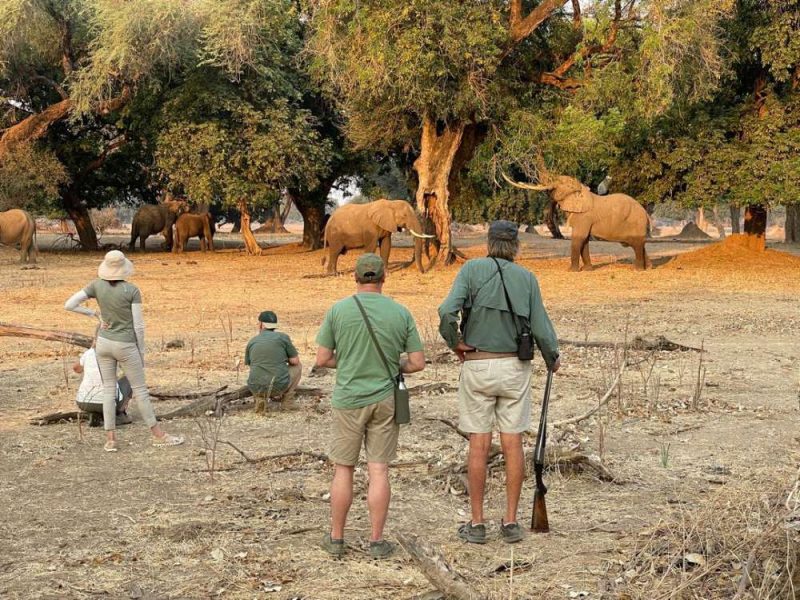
x=587 y=260
x=386 y=249
x=333 y=258
x=641 y=255
x=142 y=239
x=576 y=248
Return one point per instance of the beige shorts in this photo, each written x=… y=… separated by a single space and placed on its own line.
x=373 y=426
x=496 y=390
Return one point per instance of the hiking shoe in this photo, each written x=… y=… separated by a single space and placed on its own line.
x=111 y=446
x=380 y=549
x=124 y=419
x=95 y=419
x=332 y=546
x=474 y=534
x=511 y=532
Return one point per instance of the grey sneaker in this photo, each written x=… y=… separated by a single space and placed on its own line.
x=511 y=532
x=474 y=534
x=124 y=419
x=381 y=549
x=332 y=546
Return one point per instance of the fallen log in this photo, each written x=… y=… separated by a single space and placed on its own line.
x=660 y=343
x=50 y=335
x=56 y=417
x=219 y=402
x=185 y=395
x=432 y=564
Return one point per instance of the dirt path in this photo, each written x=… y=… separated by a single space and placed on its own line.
x=148 y=523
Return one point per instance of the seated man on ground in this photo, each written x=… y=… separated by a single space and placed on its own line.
x=90 y=392
x=275 y=367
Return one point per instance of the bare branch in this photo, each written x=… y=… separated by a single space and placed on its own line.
x=53 y=84
x=520 y=28
x=100 y=160
x=577 y=22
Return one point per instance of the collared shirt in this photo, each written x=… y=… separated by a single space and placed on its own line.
x=491 y=326
x=268 y=355
x=361 y=376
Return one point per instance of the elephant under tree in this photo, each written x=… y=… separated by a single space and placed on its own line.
x=191 y=225
x=152 y=219
x=18 y=227
x=370 y=226
x=613 y=218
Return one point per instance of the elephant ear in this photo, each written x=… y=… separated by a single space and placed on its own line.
x=382 y=215
x=579 y=201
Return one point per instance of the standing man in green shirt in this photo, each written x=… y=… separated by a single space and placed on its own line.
x=363 y=397
x=275 y=367
x=495 y=385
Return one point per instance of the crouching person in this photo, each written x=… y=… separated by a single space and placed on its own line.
x=90 y=392
x=275 y=368
x=363 y=398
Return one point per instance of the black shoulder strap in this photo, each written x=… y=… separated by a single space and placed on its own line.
x=374 y=339
x=508 y=299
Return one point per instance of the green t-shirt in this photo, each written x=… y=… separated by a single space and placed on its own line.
x=267 y=355
x=115 y=308
x=361 y=377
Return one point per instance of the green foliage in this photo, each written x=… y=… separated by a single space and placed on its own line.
x=30 y=178
x=221 y=144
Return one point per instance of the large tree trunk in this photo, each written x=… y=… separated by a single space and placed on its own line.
x=792 y=235
x=79 y=214
x=274 y=223
x=718 y=222
x=551 y=220
x=755 y=226
x=250 y=243
x=439 y=144
x=736 y=216
x=311 y=206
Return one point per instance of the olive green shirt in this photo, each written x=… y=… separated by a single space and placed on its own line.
x=267 y=355
x=115 y=308
x=361 y=377
x=491 y=326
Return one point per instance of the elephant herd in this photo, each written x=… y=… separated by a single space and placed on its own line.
x=170 y=214
x=614 y=218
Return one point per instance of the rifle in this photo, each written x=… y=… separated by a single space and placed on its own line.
x=539 y=522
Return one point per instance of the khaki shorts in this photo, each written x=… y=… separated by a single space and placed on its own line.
x=373 y=426
x=496 y=390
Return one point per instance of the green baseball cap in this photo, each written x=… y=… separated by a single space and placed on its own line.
x=369 y=268
x=269 y=319
x=503 y=230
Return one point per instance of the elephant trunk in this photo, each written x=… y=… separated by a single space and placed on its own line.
x=415 y=227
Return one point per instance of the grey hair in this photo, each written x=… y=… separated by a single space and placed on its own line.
x=505 y=249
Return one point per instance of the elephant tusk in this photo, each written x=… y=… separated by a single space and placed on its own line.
x=421 y=235
x=526 y=186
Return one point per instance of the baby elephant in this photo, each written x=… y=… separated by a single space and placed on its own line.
x=190 y=225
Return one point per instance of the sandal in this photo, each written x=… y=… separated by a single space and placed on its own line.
x=168 y=440
x=111 y=446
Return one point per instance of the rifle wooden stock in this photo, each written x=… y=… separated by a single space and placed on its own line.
x=539 y=523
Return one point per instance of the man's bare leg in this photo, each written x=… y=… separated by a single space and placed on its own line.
x=515 y=472
x=341 y=499
x=378 y=496
x=479 y=445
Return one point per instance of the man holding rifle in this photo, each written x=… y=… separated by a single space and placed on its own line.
x=502 y=314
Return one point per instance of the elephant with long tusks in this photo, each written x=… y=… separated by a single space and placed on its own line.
x=370 y=226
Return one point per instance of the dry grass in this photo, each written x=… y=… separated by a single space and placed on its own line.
x=79 y=523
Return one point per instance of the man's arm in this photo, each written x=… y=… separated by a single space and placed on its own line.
x=542 y=329
x=414 y=363
x=292 y=355
x=450 y=308
x=294 y=361
x=326 y=358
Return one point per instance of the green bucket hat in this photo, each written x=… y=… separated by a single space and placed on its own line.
x=369 y=268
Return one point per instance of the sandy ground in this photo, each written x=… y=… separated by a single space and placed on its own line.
x=149 y=523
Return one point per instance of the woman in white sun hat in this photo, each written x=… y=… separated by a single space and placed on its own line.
x=120 y=340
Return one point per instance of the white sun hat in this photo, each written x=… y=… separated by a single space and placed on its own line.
x=115 y=267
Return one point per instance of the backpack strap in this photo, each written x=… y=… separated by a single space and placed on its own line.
x=374 y=338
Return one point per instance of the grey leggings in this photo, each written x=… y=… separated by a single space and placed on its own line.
x=109 y=353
